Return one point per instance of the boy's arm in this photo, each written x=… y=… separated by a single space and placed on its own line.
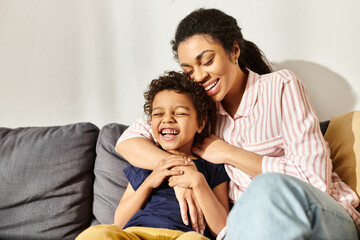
x=213 y=202
x=138 y=136
x=130 y=203
x=132 y=200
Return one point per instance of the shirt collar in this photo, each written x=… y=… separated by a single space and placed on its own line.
x=249 y=98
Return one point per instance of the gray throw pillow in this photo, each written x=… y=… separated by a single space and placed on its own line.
x=110 y=180
x=46 y=179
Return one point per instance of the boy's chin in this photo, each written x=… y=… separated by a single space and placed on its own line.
x=176 y=152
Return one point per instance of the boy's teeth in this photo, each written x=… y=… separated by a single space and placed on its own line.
x=169 y=132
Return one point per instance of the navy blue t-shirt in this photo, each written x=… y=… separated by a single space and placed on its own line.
x=162 y=209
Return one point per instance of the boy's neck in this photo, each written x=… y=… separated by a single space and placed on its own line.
x=179 y=153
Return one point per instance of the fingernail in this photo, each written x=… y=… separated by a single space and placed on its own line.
x=202 y=232
x=186 y=222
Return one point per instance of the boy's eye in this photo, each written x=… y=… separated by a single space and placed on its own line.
x=181 y=114
x=156 y=114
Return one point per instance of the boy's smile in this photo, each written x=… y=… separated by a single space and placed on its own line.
x=174 y=121
x=169 y=133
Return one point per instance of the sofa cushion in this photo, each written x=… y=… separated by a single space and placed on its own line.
x=46 y=181
x=110 y=180
x=343 y=136
x=323 y=126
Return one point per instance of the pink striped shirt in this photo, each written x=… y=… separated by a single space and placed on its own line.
x=276 y=120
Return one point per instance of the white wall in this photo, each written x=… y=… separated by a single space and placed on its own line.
x=65 y=61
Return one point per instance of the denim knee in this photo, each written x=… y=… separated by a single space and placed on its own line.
x=270 y=185
x=277 y=206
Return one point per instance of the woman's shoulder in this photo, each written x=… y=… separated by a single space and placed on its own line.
x=283 y=75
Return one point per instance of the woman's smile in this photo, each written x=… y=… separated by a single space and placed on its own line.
x=212 y=87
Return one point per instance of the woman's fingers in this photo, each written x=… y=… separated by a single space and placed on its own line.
x=200 y=217
x=193 y=213
x=174 y=161
x=180 y=195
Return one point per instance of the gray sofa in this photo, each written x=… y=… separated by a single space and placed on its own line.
x=57 y=181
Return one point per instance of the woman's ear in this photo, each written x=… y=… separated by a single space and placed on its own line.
x=235 y=54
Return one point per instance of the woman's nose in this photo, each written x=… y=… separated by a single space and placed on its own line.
x=199 y=76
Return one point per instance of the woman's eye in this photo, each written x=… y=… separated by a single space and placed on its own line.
x=209 y=62
x=156 y=114
x=189 y=73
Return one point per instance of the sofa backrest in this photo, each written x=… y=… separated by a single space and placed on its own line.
x=110 y=180
x=343 y=137
x=46 y=179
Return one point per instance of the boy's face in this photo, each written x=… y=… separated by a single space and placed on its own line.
x=174 y=121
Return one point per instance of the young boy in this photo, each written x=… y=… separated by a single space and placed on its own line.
x=179 y=111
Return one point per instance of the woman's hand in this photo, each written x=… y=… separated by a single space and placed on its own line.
x=187 y=201
x=212 y=149
x=217 y=151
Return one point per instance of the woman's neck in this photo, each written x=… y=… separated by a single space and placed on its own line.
x=233 y=98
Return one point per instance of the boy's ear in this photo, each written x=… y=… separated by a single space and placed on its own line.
x=202 y=126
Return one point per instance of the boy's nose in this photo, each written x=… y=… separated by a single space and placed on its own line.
x=168 y=119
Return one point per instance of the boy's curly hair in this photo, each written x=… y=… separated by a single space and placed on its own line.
x=180 y=83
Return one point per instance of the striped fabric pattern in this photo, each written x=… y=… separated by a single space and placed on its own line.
x=277 y=120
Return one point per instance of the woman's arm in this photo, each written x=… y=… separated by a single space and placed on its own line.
x=217 y=151
x=141 y=152
x=306 y=154
x=136 y=145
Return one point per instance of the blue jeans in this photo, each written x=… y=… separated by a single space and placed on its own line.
x=277 y=206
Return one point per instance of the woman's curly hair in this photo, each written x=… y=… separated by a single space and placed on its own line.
x=179 y=82
x=222 y=29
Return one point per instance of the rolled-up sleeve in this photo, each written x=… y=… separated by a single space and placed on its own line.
x=139 y=128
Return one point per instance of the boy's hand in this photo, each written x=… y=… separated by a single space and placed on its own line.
x=189 y=178
x=164 y=169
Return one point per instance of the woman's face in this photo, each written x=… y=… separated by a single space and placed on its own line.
x=208 y=63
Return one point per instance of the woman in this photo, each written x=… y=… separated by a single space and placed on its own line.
x=267 y=134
